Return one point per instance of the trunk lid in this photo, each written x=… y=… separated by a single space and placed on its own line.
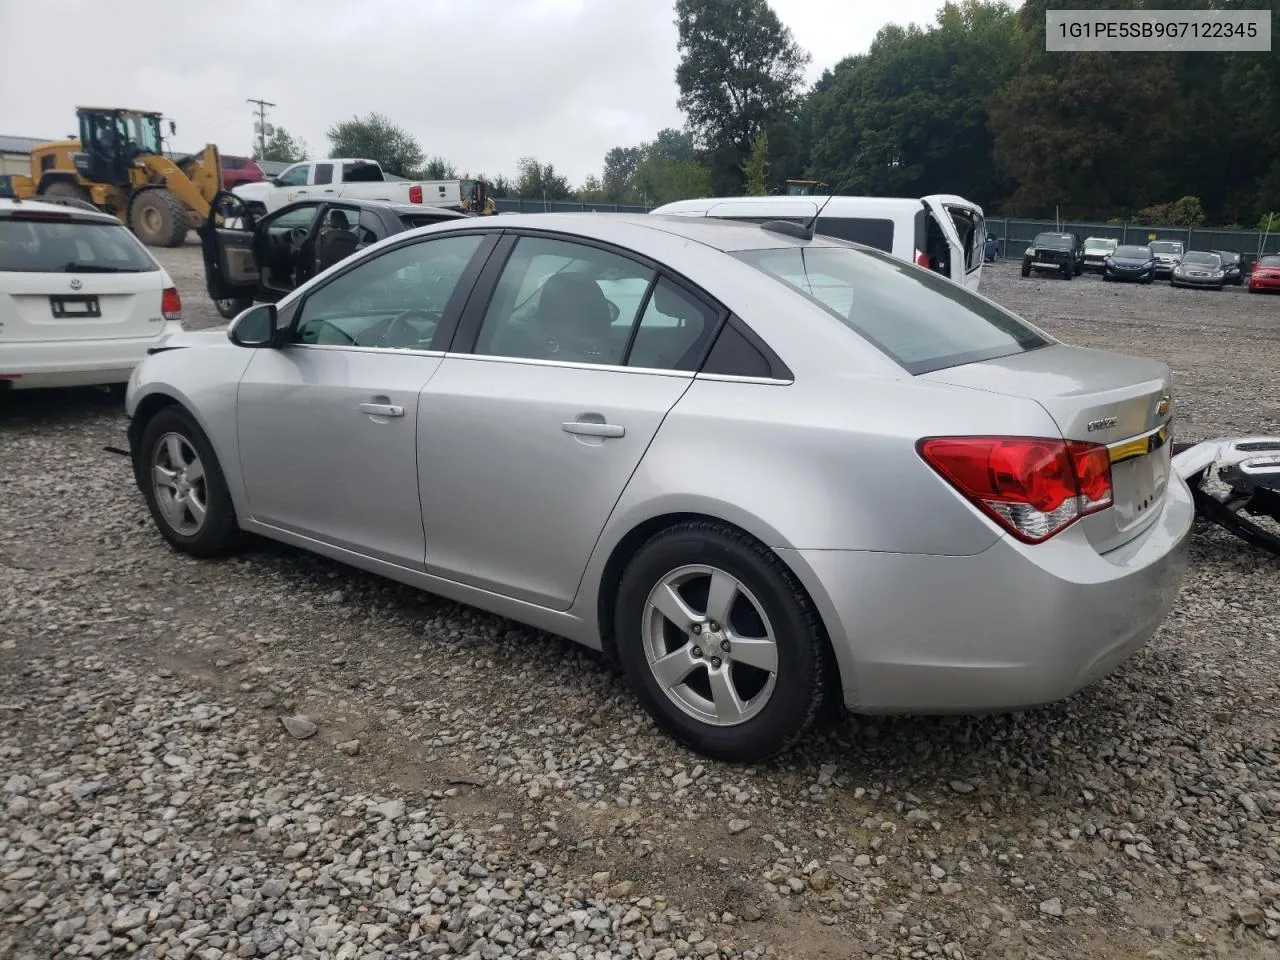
x=61 y=306
x=1122 y=402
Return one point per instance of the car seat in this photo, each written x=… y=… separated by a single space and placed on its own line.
x=337 y=240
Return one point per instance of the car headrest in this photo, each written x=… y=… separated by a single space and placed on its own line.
x=672 y=304
x=338 y=220
x=574 y=295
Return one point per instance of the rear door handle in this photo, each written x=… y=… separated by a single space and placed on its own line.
x=592 y=429
x=381 y=409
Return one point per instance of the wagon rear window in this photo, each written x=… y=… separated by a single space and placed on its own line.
x=66 y=246
x=922 y=321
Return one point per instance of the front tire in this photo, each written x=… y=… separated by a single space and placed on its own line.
x=1026 y=268
x=184 y=486
x=720 y=642
x=158 y=218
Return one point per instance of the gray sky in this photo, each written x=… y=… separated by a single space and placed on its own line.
x=480 y=82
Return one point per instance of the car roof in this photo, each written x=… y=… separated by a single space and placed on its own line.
x=724 y=235
x=74 y=211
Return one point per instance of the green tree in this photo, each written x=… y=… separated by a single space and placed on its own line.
x=282 y=147
x=740 y=72
x=619 y=168
x=374 y=137
x=909 y=117
x=438 y=168
x=756 y=168
x=539 y=181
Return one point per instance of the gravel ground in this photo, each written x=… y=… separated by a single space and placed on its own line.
x=277 y=757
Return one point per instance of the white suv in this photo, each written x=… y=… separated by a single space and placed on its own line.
x=81 y=299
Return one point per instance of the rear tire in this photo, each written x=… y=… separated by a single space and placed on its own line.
x=1026 y=268
x=722 y=700
x=184 y=486
x=159 y=219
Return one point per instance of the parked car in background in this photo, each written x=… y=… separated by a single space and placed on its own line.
x=1265 y=277
x=355 y=178
x=1053 y=250
x=1168 y=254
x=941 y=232
x=1232 y=266
x=1199 y=268
x=81 y=299
x=1096 y=250
x=238 y=170
x=504 y=411
x=1129 y=262
x=251 y=259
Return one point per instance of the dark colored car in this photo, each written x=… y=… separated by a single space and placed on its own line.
x=1265 y=275
x=1168 y=254
x=1232 y=266
x=1054 y=251
x=238 y=170
x=993 y=248
x=248 y=259
x=1130 y=262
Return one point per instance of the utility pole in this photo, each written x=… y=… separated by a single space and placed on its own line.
x=262 y=122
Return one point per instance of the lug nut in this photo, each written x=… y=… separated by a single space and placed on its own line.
x=724 y=645
x=713 y=625
x=715 y=662
x=697 y=629
x=697 y=651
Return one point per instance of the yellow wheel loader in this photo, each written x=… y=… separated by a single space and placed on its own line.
x=118 y=166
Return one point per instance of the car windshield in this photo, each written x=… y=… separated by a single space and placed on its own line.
x=1270 y=262
x=1058 y=240
x=921 y=320
x=30 y=245
x=1203 y=259
x=1166 y=246
x=1094 y=243
x=1132 y=253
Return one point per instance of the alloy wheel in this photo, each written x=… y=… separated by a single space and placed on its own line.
x=710 y=645
x=178 y=479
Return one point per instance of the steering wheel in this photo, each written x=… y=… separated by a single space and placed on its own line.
x=431 y=316
x=332 y=326
x=298 y=236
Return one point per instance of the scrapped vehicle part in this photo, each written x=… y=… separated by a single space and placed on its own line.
x=1235 y=479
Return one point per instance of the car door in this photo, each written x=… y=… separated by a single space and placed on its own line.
x=259 y=263
x=327 y=423
x=281 y=243
x=292 y=185
x=936 y=206
x=566 y=362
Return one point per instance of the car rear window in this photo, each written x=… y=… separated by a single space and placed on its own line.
x=66 y=246
x=919 y=319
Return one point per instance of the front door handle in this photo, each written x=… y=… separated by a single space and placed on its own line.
x=381 y=409
x=589 y=428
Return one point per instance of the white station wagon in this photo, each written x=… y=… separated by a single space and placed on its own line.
x=81 y=299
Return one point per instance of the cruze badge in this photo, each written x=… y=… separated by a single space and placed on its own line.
x=1103 y=423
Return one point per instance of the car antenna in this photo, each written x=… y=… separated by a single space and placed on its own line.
x=801 y=231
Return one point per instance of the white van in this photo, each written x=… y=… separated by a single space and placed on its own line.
x=943 y=232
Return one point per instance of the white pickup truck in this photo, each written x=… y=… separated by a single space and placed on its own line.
x=360 y=179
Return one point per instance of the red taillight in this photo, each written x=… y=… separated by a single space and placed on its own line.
x=922 y=259
x=415 y=194
x=1033 y=487
x=171 y=304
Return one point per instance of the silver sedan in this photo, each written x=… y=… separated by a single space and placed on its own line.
x=767 y=472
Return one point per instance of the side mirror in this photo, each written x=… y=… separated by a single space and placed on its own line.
x=256 y=327
x=275 y=182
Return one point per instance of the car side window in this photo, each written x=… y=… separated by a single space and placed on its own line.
x=298 y=217
x=558 y=300
x=673 y=331
x=324 y=173
x=394 y=301
x=296 y=176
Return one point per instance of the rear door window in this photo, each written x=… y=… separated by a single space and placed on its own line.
x=921 y=321
x=66 y=246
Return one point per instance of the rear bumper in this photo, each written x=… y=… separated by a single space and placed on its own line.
x=75 y=363
x=1013 y=627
